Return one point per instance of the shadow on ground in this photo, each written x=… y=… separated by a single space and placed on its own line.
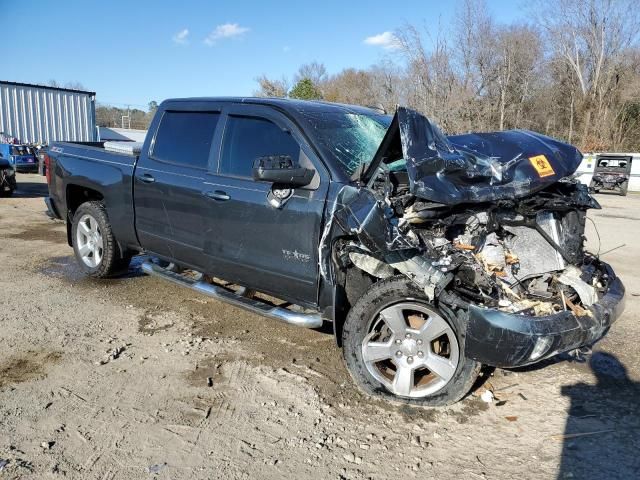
x=602 y=433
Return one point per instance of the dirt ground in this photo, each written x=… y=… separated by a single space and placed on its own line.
x=136 y=378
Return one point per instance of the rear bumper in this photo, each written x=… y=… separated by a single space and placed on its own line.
x=52 y=211
x=26 y=167
x=507 y=340
x=609 y=182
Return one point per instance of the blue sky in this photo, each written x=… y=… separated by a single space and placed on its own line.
x=131 y=52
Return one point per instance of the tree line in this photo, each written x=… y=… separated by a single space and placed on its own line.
x=572 y=72
x=111 y=116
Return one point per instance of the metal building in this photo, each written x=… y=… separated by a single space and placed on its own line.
x=41 y=114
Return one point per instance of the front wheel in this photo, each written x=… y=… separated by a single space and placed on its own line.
x=400 y=347
x=94 y=245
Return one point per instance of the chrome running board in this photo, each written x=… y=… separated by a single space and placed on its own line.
x=308 y=320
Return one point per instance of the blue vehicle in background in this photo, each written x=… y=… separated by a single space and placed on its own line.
x=20 y=156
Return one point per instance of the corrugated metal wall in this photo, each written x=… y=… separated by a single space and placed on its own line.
x=36 y=114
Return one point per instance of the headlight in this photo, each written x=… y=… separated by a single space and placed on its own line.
x=542 y=345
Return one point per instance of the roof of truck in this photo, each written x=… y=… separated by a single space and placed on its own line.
x=297 y=106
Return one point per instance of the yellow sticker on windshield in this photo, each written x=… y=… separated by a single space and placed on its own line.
x=542 y=165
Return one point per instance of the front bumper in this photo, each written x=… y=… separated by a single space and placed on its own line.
x=509 y=340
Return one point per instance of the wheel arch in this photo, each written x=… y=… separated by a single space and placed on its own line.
x=76 y=195
x=349 y=284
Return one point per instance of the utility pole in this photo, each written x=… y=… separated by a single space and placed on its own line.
x=128 y=118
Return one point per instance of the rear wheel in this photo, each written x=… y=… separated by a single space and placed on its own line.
x=8 y=186
x=399 y=346
x=624 y=187
x=95 y=247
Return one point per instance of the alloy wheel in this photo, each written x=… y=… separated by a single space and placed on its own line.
x=411 y=349
x=89 y=241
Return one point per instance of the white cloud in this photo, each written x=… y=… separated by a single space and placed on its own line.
x=182 y=37
x=226 y=30
x=286 y=49
x=386 y=40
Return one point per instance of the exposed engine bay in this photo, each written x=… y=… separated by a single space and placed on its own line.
x=522 y=256
x=487 y=220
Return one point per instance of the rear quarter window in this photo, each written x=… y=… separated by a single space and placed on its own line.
x=185 y=138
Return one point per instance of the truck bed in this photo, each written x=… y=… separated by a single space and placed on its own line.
x=100 y=174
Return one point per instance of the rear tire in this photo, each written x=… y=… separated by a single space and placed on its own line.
x=414 y=348
x=94 y=245
x=623 y=188
x=11 y=181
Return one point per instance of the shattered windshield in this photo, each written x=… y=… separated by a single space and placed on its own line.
x=352 y=138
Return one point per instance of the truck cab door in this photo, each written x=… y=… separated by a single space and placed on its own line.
x=254 y=241
x=170 y=207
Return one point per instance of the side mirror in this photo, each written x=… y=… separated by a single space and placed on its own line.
x=281 y=170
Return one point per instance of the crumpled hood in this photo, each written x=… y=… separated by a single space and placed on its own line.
x=475 y=167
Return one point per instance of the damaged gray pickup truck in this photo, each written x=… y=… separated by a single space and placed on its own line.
x=431 y=255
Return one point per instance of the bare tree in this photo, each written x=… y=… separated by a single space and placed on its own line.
x=433 y=85
x=590 y=36
x=350 y=86
x=70 y=85
x=389 y=89
x=574 y=73
x=271 y=88
x=314 y=71
x=519 y=55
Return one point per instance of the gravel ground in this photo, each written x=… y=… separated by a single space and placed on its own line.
x=136 y=378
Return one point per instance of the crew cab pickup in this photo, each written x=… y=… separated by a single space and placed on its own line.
x=431 y=255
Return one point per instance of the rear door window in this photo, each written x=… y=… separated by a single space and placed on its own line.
x=249 y=138
x=185 y=138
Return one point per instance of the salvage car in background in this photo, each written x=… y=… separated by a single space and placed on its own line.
x=431 y=255
x=20 y=156
x=612 y=172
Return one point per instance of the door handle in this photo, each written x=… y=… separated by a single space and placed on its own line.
x=217 y=195
x=146 y=178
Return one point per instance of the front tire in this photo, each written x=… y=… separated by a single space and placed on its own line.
x=94 y=245
x=398 y=346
